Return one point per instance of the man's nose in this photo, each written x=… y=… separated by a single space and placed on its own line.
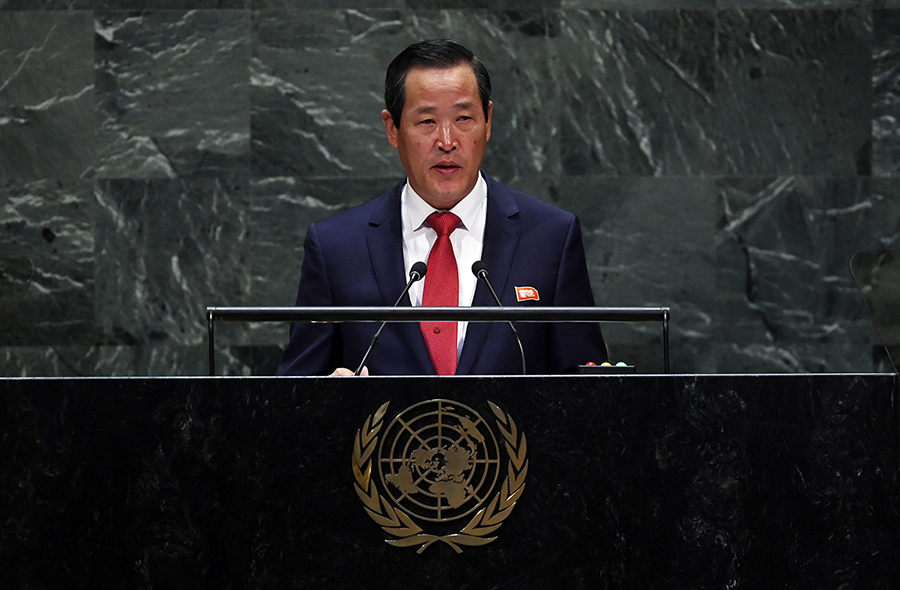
x=447 y=139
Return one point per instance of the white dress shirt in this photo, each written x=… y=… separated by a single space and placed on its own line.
x=467 y=241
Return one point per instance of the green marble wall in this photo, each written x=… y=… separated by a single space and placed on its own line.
x=726 y=158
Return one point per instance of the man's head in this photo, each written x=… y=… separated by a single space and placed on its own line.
x=438 y=116
x=437 y=54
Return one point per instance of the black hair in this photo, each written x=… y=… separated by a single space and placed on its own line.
x=433 y=53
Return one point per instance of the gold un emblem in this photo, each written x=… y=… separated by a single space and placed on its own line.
x=437 y=466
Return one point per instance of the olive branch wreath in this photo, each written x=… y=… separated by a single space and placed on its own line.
x=396 y=522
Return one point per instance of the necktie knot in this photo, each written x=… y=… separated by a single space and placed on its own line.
x=443 y=223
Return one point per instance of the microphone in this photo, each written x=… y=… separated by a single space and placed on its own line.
x=479 y=269
x=416 y=273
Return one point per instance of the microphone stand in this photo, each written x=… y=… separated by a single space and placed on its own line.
x=479 y=269
x=416 y=273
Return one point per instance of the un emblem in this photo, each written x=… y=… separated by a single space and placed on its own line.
x=437 y=464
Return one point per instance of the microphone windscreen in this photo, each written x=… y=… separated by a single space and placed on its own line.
x=477 y=267
x=419 y=268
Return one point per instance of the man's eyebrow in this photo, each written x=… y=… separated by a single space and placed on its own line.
x=433 y=109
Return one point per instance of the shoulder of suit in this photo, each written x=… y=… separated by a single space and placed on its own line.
x=362 y=213
x=525 y=202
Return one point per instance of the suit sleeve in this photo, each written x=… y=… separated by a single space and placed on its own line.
x=313 y=349
x=572 y=344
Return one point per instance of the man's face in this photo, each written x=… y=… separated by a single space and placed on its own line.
x=442 y=133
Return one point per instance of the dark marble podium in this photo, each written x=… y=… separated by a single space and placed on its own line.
x=681 y=481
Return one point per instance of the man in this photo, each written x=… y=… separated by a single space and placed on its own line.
x=448 y=213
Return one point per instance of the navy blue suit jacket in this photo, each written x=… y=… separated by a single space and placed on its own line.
x=356 y=259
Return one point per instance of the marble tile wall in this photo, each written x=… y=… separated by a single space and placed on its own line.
x=726 y=157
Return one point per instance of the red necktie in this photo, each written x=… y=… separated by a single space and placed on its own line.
x=441 y=290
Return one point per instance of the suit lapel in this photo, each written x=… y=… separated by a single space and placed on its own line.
x=384 y=237
x=501 y=237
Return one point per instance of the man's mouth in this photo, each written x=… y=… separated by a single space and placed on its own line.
x=446 y=167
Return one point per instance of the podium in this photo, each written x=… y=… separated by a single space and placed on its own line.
x=665 y=481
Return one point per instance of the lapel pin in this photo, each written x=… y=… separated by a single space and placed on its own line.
x=527 y=294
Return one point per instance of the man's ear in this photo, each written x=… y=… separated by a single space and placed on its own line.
x=389 y=128
x=489 y=117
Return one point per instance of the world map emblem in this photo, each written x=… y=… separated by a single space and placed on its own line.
x=432 y=473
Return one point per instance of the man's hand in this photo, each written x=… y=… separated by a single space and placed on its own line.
x=342 y=372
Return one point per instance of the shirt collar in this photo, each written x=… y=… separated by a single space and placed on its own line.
x=467 y=209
